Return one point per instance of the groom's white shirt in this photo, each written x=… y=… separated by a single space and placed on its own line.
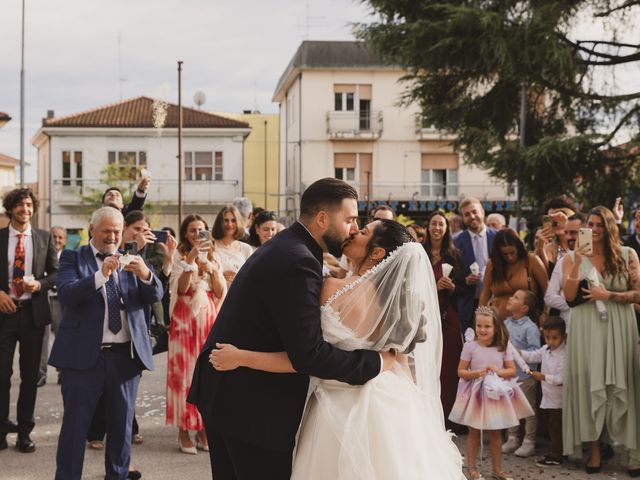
x=381 y=359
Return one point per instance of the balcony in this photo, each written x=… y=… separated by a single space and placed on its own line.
x=434 y=192
x=426 y=132
x=80 y=192
x=354 y=125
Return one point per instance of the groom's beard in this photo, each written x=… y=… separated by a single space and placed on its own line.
x=334 y=242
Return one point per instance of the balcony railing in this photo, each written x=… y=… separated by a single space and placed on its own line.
x=71 y=192
x=425 y=131
x=354 y=125
x=489 y=191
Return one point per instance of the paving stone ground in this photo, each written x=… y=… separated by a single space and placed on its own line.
x=159 y=459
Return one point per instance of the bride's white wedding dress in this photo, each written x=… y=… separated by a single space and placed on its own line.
x=387 y=429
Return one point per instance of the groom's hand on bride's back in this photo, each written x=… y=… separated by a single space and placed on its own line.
x=388 y=359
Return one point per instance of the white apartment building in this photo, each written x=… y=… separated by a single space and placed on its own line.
x=340 y=117
x=74 y=150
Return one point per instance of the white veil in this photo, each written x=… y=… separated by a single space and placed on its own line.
x=394 y=305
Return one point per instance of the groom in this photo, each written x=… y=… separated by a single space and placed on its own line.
x=252 y=417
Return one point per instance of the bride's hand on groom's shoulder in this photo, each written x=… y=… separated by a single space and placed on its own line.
x=225 y=357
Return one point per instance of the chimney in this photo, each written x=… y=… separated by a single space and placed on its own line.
x=50 y=115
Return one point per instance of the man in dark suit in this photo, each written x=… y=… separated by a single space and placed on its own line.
x=28 y=269
x=112 y=197
x=102 y=344
x=475 y=245
x=252 y=417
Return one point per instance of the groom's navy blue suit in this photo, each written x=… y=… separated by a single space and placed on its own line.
x=273 y=305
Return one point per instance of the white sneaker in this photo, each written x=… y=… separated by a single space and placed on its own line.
x=527 y=449
x=510 y=445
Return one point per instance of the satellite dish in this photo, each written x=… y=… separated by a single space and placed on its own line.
x=199 y=98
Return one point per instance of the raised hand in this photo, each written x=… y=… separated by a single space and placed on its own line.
x=144 y=237
x=618 y=210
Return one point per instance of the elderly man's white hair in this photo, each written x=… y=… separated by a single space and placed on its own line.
x=498 y=217
x=106 y=212
x=244 y=206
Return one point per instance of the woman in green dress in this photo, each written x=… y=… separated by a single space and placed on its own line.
x=602 y=375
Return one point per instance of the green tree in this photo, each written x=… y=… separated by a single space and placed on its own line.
x=472 y=65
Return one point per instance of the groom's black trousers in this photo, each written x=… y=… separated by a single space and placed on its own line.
x=233 y=459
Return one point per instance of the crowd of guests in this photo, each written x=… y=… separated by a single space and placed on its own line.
x=558 y=317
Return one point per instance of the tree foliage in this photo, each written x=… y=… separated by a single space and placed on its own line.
x=121 y=175
x=470 y=63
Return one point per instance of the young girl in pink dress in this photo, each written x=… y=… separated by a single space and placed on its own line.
x=488 y=399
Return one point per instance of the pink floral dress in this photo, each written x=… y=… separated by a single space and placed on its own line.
x=192 y=316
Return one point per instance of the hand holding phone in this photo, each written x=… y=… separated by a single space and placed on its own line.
x=585 y=239
x=161 y=236
x=204 y=242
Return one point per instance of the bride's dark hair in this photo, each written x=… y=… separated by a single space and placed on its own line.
x=389 y=235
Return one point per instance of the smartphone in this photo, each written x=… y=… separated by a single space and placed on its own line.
x=161 y=236
x=547 y=221
x=585 y=238
x=204 y=236
x=130 y=248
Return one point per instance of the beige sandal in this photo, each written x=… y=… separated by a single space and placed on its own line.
x=502 y=476
x=474 y=474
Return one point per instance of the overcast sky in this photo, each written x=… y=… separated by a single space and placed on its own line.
x=233 y=50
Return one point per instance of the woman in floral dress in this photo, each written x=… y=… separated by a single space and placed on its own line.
x=197 y=288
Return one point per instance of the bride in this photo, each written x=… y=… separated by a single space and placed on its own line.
x=393 y=426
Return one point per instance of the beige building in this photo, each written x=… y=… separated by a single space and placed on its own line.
x=340 y=117
x=261 y=158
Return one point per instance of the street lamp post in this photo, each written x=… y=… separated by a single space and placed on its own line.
x=22 y=163
x=180 y=171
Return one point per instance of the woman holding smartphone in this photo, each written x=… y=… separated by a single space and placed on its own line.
x=197 y=286
x=602 y=376
x=227 y=231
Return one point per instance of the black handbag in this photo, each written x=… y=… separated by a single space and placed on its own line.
x=579 y=300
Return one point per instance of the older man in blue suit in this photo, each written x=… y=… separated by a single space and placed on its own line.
x=102 y=344
x=475 y=245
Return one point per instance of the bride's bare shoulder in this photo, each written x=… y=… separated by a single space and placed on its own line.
x=330 y=286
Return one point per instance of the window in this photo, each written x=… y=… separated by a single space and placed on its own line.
x=71 y=167
x=345 y=173
x=439 y=183
x=217 y=174
x=365 y=115
x=200 y=166
x=440 y=174
x=343 y=102
x=129 y=161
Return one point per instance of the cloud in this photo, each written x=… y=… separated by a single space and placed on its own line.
x=233 y=50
